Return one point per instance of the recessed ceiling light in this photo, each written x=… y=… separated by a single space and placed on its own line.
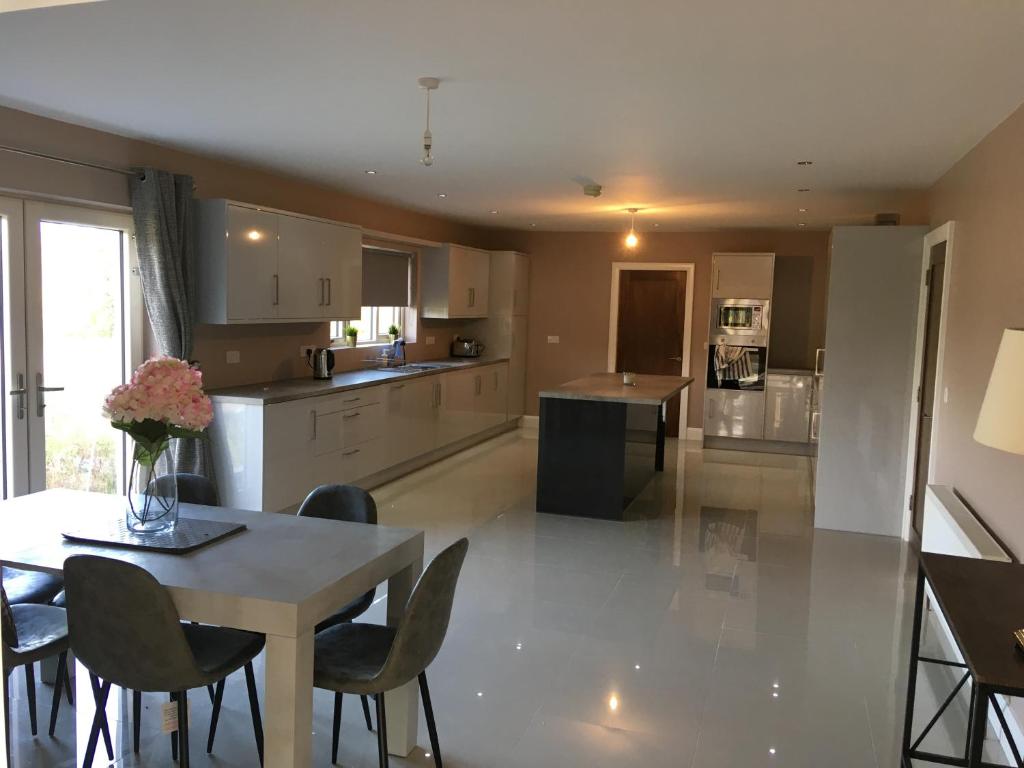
x=442 y=195
x=802 y=224
x=805 y=162
x=656 y=224
x=494 y=210
x=533 y=225
x=802 y=210
x=370 y=172
x=804 y=189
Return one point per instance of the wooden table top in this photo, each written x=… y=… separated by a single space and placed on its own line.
x=983 y=602
x=608 y=387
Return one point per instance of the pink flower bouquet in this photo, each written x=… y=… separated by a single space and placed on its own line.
x=164 y=399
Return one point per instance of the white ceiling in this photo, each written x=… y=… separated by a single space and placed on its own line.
x=696 y=111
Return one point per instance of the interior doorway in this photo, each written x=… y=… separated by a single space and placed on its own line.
x=650 y=326
x=928 y=390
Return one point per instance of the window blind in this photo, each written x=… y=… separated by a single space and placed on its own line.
x=385 y=278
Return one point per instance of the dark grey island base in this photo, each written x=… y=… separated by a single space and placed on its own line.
x=601 y=443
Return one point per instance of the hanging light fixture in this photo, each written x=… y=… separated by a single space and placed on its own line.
x=632 y=241
x=428 y=84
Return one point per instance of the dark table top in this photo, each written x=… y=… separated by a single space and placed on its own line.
x=983 y=602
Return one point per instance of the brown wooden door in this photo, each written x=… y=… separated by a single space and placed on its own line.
x=652 y=307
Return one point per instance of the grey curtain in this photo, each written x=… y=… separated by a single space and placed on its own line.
x=163 y=207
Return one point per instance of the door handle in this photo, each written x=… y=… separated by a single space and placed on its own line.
x=818 y=353
x=328 y=291
x=676 y=359
x=277 y=290
x=313 y=414
x=321 y=291
x=20 y=393
x=40 y=389
x=472 y=297
x=348 y=416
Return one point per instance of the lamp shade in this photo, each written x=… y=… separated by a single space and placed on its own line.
x=1001 y=421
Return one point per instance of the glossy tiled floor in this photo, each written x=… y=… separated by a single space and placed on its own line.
x=717 y=628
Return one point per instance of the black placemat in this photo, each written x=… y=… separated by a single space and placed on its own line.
x=188 y=535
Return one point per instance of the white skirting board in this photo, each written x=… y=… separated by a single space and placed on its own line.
x=950 y=528
x=695 y=433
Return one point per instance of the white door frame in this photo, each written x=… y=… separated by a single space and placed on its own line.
x=12 y=223
x=613 y=319
x=36 y=212
x=942 y=234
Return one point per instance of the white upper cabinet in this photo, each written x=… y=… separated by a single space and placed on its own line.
x=510 y=283
x=455 y=282
x=265 y=266
x=742 y=275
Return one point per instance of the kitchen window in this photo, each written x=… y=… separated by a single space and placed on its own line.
x=372 y=325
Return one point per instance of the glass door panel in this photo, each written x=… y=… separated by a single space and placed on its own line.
x=79 y=325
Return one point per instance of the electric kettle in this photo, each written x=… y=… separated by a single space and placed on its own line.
x=321 y=360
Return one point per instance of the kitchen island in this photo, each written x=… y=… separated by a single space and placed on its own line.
x=601 y=442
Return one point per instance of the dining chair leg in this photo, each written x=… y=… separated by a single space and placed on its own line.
x=212 y=692
x=183 y=729
x=174 y=734
x=428 y=710
x=218 y=696
x=366 y=713
x=336 y=730
x=382 y=732
x=254 y=706
x=136 y=720
x=101 y=715
x=30 y=691
x=62 y=662
x=99 y=718
x=67 y=683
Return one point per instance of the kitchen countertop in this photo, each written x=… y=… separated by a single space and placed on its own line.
x=270 y=392
x=608 y=387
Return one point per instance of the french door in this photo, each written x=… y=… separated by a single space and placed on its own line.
x=72 y=331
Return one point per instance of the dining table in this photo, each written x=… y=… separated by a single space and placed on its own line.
x=279 y=576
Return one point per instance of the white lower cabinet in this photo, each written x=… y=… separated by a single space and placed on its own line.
x=269 y=457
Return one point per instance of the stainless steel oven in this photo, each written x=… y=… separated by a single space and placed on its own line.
x=740 y=321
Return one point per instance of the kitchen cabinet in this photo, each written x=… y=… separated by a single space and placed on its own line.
x=509 y=284
x=258 y=266
x=270 y=456
x=412 y=410
x=742 y=275
x=454 y=282
x=734 y=413
x=787 y=406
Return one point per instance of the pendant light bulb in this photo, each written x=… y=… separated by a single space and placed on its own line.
x=632 y=241
x=428 y=84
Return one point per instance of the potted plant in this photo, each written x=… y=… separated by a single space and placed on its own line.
x=393 y=333
x=164 y=399
x=351 y=333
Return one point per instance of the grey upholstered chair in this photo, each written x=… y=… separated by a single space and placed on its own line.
x=192 y=489
x=349 y=504
x=32 y=633
x=368 y=659
x=125 y=629
x=30 y=586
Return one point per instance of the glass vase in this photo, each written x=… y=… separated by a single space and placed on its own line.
x=152 y=492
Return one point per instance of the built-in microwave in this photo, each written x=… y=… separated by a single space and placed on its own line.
x=743 y=318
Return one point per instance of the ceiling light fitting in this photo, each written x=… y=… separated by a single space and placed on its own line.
x=370 y=172
x=804 y=189
x=442 y=195
x=428 y=84
x=592 y=190
x=805 y=162
x=632 y=241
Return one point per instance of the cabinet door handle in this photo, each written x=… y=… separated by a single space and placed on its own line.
x=398 y=386
x=472 y=297
x=21 y=393
x=313 y=414
x=479 y=384
x=353 y=452
x=718 y=278
x=353 y=400
x=348 y=416
x=328 y=291
x=818 y=353
x=321 y=291
x=277 y=290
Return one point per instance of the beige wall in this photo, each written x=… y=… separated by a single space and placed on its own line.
x=570 y=288
x=267 y=351
x=984 y=194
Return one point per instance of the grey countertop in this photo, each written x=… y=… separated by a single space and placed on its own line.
x=608 y=387
x=270 y=392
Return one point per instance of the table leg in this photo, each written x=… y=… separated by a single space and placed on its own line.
x=402 y=704
x=288 y=705
x=915 y=650
x=979 y=725
x=659 y=446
